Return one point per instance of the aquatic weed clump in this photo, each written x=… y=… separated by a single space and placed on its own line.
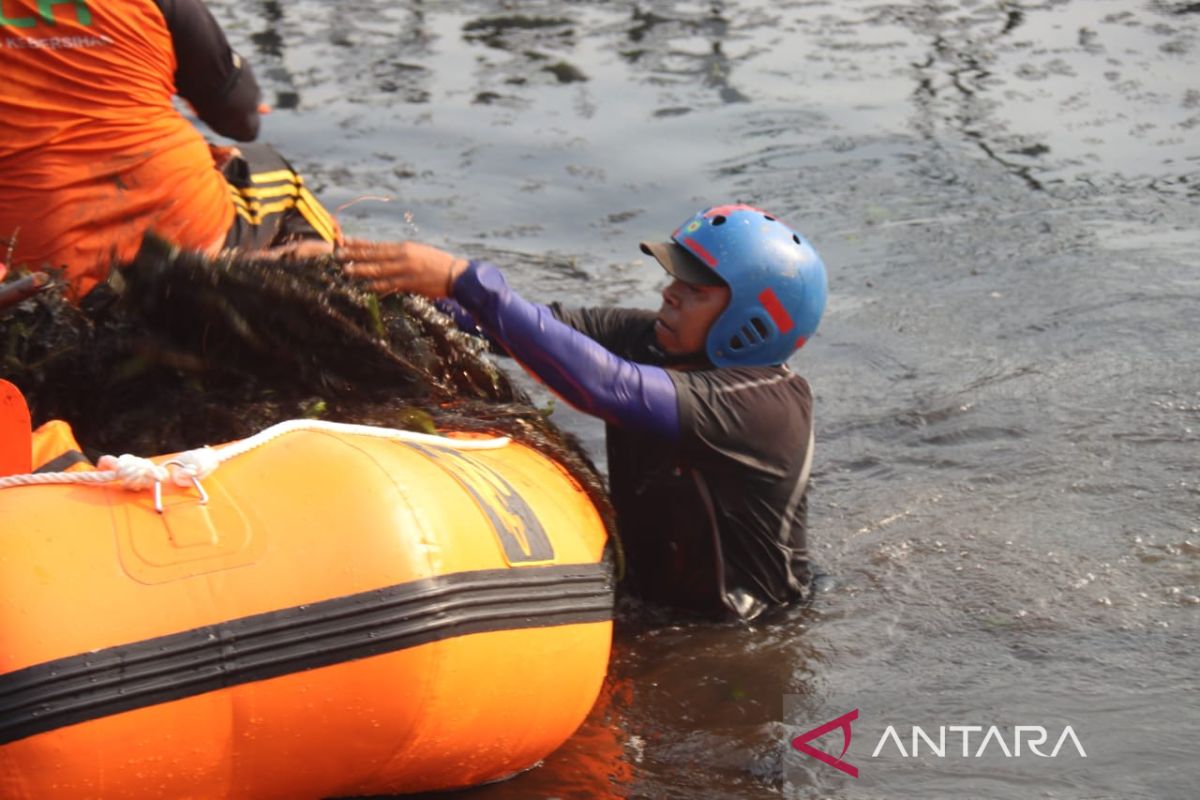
x=179 y=350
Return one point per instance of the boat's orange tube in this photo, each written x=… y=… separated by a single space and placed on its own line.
x=346 y=616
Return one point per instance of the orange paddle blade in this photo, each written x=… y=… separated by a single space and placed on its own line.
x=16 y=450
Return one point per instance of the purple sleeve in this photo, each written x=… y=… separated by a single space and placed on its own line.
x=575 y=367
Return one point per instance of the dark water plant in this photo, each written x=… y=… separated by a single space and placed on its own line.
x=178 y=350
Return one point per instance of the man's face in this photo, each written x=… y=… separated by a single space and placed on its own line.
x=688 y=311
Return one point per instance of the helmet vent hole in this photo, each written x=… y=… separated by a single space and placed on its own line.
x=760 y=328
x=768 y=217
x=736 y=343
x=751 y=335
x=795 y=238
x=718 y=220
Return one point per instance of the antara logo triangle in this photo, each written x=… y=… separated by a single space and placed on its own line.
x=801 y=742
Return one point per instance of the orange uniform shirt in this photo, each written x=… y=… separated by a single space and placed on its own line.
x=92 y=151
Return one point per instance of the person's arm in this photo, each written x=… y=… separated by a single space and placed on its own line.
x=579 y=369
x=575 y=367
x=610 y=327
x=217 y=81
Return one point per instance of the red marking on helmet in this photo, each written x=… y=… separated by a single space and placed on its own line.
x=800 y=340
x=771 y=303
x=698 y=250
x=725 y=211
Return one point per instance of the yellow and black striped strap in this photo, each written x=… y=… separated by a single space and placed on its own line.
x=278 y=191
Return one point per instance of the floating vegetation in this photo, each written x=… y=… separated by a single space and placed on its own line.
x=179 y=350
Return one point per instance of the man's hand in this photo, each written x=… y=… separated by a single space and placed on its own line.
x=388 y=267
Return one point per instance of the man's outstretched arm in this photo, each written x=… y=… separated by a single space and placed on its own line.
x=578 y=369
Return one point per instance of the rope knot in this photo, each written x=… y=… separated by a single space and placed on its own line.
x=194 y=465
x=134 y=472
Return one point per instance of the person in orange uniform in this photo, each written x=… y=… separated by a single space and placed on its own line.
x=93 y=153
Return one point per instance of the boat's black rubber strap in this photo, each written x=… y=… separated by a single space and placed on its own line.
x=92 y=685
x=61 y=462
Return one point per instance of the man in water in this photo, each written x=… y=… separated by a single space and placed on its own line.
x=93 y=153
x=709 y=434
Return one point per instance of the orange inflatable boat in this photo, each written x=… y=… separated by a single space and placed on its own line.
x=318 y=611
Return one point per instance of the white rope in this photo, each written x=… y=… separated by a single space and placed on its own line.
x=193 y=465
x=135 y=473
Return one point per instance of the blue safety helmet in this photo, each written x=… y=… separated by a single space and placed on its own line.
x=777 y=284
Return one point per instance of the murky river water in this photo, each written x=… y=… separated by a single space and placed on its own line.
x=1008 y=388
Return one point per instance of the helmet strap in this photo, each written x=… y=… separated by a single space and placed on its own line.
x=698 y=359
